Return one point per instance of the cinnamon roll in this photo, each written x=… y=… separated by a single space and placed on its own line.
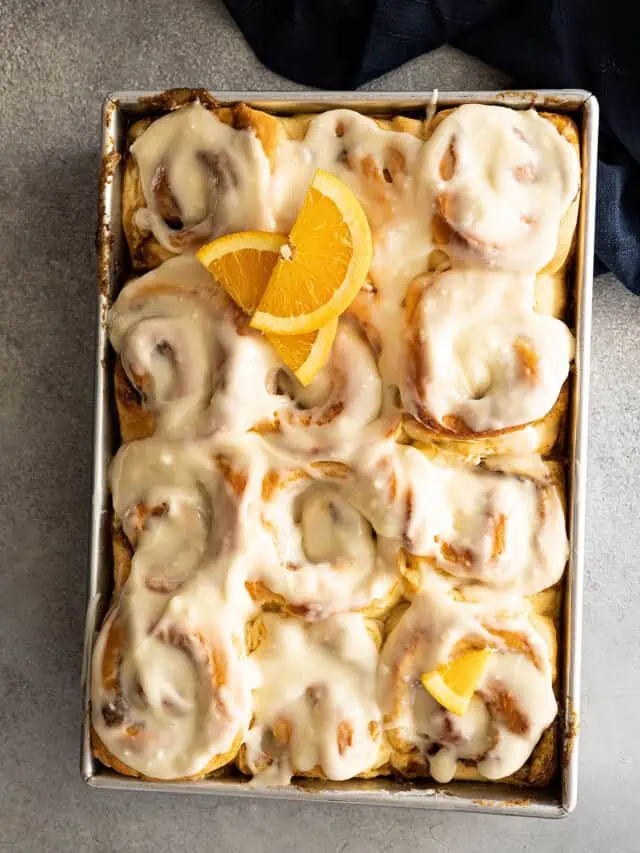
x=501 y=528
x=188 y=364
x=480 y=360
x=178 y=509
x=505 y=186
x=376 y=158
x=192 y=175
x=495 y=527
x=169 y=692
x=338 y=409
x=513 y=703
x=314 y=705
x=175 y=704
x=320 y=554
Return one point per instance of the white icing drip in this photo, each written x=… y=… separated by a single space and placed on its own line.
x=482 y=354
x=431 y=110
x=513 y=177
x=318 y=683
x=487 y=733
x=217 y=177
x=401 y=253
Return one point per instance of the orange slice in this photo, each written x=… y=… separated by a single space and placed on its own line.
x=306 y=354
x=323 y=266
x=454 y=683
x=242 y=264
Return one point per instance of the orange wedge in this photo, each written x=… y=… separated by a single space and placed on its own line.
x=306 y=354
x=454 y=683
x=323 y=266
x=242 y=264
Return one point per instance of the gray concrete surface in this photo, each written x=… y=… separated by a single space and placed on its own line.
x=57 y=60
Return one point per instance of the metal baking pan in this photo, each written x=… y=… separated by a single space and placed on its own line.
x=555 y=800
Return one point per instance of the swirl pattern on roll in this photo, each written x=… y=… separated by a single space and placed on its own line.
x=512 y=705
x=199 y=369
x=321 y=555
x=176 y=703
x=179 y=339
x=481 y=360
x=498 y=527
x=170 y=689
x=333 y=413
x=502 y=180
x=201 y=178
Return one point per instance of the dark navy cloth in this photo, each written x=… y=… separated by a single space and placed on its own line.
x=587 y=44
